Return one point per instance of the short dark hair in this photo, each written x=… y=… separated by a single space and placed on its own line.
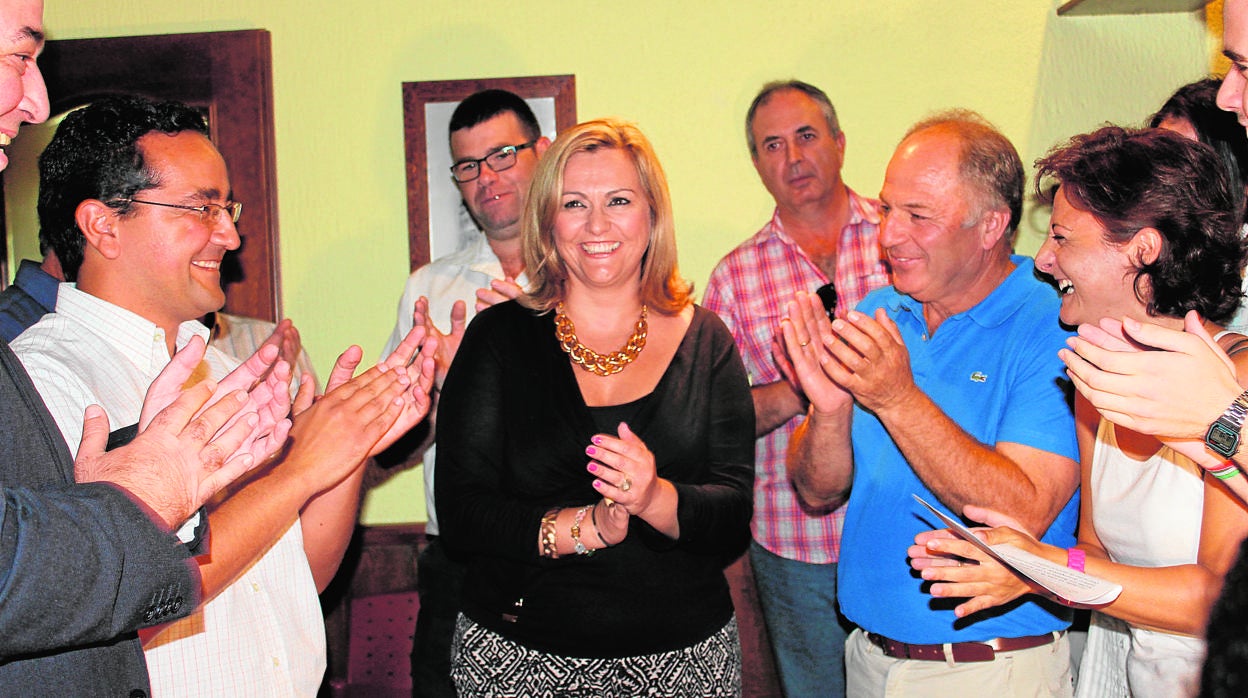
x=1131 y=179
x=989 y=162
x=487 y=104
x=771 y=88
x=1197 y=104
x=95 y=155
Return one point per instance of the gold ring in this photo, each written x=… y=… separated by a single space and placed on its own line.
x=626 y=485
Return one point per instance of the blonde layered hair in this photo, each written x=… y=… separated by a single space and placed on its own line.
x=662 y=287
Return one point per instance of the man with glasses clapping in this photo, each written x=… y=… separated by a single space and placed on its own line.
x=135 y=201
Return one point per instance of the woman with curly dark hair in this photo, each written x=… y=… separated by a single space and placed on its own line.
x=1192 y=111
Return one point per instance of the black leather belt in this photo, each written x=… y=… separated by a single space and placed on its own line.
x=961 y=651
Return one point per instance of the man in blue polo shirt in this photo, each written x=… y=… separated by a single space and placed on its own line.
x=945 y=385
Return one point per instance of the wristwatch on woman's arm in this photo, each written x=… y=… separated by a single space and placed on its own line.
x=1223 y=435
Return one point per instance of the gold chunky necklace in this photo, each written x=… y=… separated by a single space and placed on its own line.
x=592 y=361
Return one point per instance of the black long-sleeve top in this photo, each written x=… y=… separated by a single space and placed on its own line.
x=512 y=432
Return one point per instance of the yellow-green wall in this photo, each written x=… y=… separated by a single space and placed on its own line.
x=685 y=72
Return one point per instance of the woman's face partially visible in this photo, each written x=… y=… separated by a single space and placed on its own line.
x=1094 y=276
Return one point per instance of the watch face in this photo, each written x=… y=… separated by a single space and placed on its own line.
x=1222 y=439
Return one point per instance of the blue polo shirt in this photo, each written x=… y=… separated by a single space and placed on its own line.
x=994 y=370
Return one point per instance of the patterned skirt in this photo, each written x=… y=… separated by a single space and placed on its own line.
x=484 y=663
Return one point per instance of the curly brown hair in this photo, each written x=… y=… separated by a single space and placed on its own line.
x=1131 y=179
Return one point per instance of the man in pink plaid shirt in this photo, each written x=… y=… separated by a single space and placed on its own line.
x=822 y=237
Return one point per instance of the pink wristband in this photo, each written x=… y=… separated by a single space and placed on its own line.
x=1074 y=559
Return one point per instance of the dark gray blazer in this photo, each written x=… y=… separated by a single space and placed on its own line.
x=81 y=566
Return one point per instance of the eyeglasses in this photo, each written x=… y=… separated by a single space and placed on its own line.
x=504 y=158
x=208 y=213
x=827 y=295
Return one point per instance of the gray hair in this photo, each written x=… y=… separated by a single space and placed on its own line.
x=771 y=88
x=989 y=163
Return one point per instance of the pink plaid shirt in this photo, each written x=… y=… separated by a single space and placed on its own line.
x=748 y=290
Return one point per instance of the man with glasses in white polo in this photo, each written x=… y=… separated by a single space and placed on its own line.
x=495 y=145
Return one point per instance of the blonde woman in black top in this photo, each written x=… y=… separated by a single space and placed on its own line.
x=597 y=450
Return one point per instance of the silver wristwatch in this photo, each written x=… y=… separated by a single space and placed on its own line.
x=1223 y=435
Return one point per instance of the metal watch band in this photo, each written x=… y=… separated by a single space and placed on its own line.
x=1238 y=409
x=1223 y=435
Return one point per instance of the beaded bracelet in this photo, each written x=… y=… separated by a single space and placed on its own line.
x=1226 y=471
x=593 y=516
x=548 y=536
x=576 y=531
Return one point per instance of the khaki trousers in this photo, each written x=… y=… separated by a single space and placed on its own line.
x=1032 y=673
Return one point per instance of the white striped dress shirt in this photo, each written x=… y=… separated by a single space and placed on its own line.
x=263 y=635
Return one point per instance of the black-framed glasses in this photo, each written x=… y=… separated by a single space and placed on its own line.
x=208 y=213
x=504 y=158
x=827 y=296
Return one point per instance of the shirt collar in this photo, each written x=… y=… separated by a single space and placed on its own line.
x=132 y=334
x=484 y=261
x=861 y=210
x=992 y=311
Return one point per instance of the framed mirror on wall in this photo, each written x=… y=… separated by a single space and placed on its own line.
x=229 y=77
x=437 y=221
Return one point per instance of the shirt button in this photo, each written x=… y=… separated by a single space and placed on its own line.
x=255 y=587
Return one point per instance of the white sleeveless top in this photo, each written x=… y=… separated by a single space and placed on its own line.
x=1146 y=514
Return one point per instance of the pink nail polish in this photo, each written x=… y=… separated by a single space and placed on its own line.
x=597 y=440
x=590 y=450
x=597 y=484
x=593 y=467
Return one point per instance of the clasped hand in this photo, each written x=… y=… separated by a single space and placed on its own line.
x=625 y=475
x=852 y=358
x=958 y=569
x=195 y=441
x=192 y=442
x=1176 y=391
x=360 y=416
x=448 y=342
